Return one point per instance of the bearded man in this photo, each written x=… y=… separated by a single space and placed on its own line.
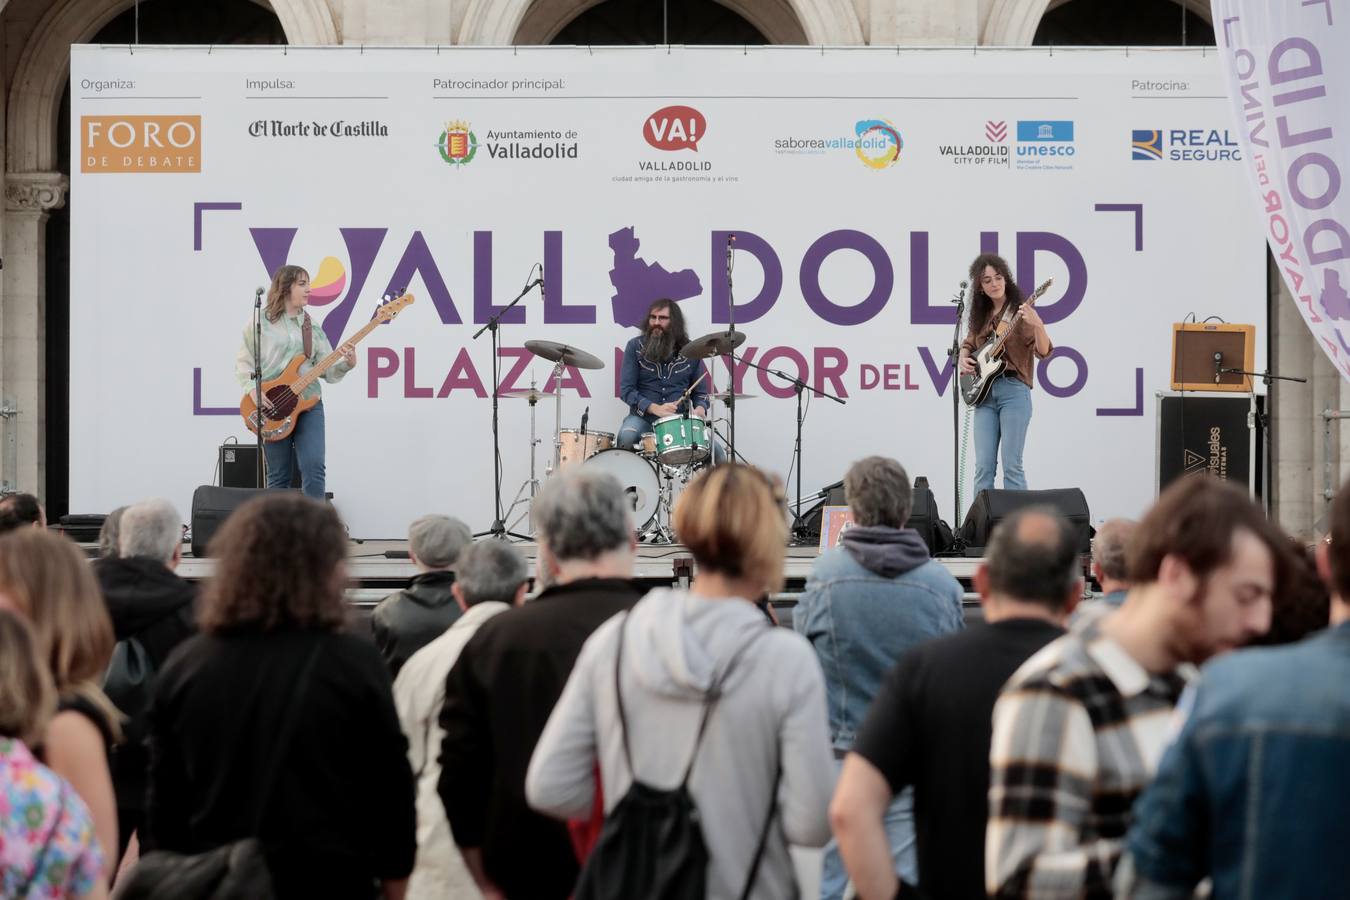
x=656 y=375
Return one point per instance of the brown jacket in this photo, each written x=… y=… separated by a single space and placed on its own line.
x=1019 y=352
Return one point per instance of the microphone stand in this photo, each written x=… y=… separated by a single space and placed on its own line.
x=257 y=382
x=954 y=354
x=731 y=369
x=799 y=534
x=498 y=527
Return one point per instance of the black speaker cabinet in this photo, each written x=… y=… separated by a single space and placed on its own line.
x=992 y=507
x=1219 y=435
x=239 y=465
x=211 y=506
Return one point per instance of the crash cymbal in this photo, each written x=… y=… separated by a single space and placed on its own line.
x=534 y=395
x=569 y=355
x=719 y=343
x=725 y=396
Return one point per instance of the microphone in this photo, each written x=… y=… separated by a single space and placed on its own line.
x=540 y=281
x=731 y=238
x=1218 y=365
x=257 y=296
x=585 y=417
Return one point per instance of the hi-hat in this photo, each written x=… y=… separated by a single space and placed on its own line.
x=565 y=353
x=719 y=343
x=725 y=396
x=534 y=395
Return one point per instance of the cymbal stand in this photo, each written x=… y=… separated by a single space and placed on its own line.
x=533 y=482
x=556 y=377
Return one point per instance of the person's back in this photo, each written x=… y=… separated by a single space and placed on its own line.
x=770 y=712
x=409 y=619
x=273 y=689
x=1250 y=794
x=342 y=805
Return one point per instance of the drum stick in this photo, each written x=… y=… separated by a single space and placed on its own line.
x=691 y=387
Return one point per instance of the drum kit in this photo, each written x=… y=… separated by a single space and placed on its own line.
x=651 y=471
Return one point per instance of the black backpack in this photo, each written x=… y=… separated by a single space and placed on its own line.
x=651 y=845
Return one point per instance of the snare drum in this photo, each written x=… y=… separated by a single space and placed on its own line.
x=576 y=447
x=680 y=440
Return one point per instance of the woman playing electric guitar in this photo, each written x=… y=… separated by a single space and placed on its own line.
x=287 y=332
x=1002 y=419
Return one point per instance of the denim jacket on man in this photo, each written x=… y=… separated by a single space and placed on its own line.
x=861 y=622
x=1252 y=793
x=643 y=382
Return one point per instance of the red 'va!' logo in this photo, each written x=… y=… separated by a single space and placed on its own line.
x=675 y=128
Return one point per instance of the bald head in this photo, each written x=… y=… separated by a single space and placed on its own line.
x=1032 y=558
x=1108 y=554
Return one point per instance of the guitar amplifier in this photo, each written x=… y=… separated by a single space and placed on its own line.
x=238 y=465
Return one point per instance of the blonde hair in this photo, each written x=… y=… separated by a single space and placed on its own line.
x=50 y=582
x=731 y=518
x=282 y=282
x=27 y=695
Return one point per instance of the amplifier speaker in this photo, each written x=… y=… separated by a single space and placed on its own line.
x=211 y=506
x=993 y=506
x=239 y=465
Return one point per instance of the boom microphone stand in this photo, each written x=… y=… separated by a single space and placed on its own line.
x=954 y=354
x=731 y=332
x=257 y=381
x=798 y=530
x=498 y=527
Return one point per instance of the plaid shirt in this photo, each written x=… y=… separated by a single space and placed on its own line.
x=1078 y=732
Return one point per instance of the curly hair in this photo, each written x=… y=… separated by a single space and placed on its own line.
x=277 y=294
x=981 y=307
x=279 y=559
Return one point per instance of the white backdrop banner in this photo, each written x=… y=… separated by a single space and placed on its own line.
x=859 y=184
x=1287 y=68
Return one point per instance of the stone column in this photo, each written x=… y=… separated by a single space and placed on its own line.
x=23 y=370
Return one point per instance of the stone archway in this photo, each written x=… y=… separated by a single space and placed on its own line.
x=1013 y=23
x=775 y=19
x=500 y=22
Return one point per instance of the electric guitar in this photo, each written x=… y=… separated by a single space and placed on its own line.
x=283 y=392
x=988 y=359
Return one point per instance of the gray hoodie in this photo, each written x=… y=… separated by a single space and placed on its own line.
x=675 y=646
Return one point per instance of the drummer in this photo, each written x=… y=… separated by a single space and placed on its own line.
x=656 y=375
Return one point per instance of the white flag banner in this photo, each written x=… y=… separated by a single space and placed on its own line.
x=1287 y=68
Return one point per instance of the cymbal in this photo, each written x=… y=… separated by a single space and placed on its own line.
x=569 y=355
x=534 y=395
x=715 y=344
x=725 y=396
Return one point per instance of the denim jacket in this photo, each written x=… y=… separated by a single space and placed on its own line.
x=861 y=623
x=1253 y=791
x=643 y=382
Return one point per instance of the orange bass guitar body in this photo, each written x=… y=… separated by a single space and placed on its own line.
x=286 y=404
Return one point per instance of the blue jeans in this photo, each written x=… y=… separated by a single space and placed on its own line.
x=1001 y=421
x=899 y=834
x=633 y=427
x=308 y=441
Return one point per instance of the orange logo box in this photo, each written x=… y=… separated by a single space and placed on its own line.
x=141 y=143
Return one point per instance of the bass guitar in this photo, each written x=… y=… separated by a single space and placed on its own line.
x=283 y=393
x=988 y=358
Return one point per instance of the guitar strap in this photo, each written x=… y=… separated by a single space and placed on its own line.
x=307 y=334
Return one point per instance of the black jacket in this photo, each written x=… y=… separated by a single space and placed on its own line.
x=146 y=601
x=498 y=698
x=408 y=620
x=341 y=814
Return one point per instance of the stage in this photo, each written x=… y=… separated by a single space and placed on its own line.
x=378 y=567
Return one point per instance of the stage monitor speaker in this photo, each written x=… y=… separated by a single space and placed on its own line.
x=82 y=528
x=211 y=506
x=993 y=506
x=1199 y=349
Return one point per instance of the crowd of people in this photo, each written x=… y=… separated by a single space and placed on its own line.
x=593 y=741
